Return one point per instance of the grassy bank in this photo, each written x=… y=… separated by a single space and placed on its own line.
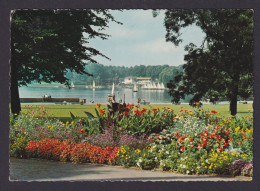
x=63 y=111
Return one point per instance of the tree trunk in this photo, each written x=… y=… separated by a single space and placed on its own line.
x=233 y=105
x=233 y=100
x=14 y=91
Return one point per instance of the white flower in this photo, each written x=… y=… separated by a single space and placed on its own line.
x=207 y=160
x=140 y=160
x=198 y=167
x=155 y=158
x=167 y=152
x=181 y=165
x=187 y=172
x=184 y=166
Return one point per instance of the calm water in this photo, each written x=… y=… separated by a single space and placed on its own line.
x=98 y=96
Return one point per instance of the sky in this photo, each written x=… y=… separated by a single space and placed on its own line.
x=140 y=40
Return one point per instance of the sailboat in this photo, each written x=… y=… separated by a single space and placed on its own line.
x=72 y=85
x=93 y=86
x=111 y=96
x=162 y=86
x=113 y=88
x=135 y=88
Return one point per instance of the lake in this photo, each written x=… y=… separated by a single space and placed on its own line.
x=97 y=95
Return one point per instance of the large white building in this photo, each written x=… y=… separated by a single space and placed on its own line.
x=137 y=80
x=129 y=80
x=143 y=80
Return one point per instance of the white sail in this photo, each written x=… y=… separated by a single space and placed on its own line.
x=113 y=87
x=94 y=84
x=150 y=86
x=162 y=86
x=72 y=85
x=154 y=86
x=135 y=88
x=158 y=86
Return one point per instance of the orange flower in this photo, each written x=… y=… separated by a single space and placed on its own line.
x=81 y=130
x=197 y=103
x=102 y=111
x=98 y=105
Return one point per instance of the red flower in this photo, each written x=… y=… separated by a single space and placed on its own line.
x=154 y=110
x=204 y=144
x=225 y=145
x=178 y=136
x=226 y=133
x=201 y=135
x=217 y=136
x=206 y=132
x=137 y=112
x=192 y=146
x=180 y=141
x=214 y=112
x=144 y=110
x=81 y=130
x=182 y=149
x=191 y=140
x=211 y=136
x=220 y=149
x=229 y=140
x=125 y=113
x=98 y=105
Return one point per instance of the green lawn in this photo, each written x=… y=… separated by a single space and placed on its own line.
x=63 y=111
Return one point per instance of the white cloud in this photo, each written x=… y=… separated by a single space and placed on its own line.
x=158 y=46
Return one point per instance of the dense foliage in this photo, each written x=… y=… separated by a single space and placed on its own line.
x=223 y=65
x=45 y=44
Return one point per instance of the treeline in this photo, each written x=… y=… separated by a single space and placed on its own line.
x=105 y=75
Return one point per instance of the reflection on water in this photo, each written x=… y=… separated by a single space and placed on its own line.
x=98 y=96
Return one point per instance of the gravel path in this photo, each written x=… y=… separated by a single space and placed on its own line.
x=44 y=170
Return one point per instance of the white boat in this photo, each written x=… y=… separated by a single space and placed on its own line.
x=135 y=88
x=72 y=85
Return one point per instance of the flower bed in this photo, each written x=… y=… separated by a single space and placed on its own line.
x=188 y=141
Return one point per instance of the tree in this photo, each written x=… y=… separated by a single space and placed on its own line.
x=223 y=65
x=45 y=44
